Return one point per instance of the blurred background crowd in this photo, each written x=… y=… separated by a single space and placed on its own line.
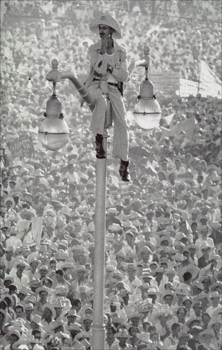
x=163 y=277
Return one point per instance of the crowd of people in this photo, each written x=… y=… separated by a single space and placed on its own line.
x=163 y=273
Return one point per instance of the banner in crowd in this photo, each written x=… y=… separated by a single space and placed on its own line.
x=165 y=83
x=170 y=83
x=207 y=75
x=188 y=88
x=210 y=84
x=193 y=88
x=210 y=89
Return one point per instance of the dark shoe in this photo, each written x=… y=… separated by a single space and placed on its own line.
x=100 y=153
x=124 y=173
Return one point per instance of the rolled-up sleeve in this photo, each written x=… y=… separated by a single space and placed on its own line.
x=120 y=71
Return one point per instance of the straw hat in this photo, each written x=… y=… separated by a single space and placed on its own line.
x=42 y=289
x=51 y=308
x=107 y=20
x=142 y=250
x=207 y=332
x=213 y=321
x=191 y=269
x=36 y=319
x=171 y=293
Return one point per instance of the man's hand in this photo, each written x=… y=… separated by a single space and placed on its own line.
x=103 y=44
x=107 y=43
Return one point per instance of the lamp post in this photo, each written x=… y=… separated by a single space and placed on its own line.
x=98 y=338
x=53 y=134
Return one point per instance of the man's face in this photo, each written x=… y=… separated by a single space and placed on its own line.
x=5 y=230
x=81 y=274
x=153 y=267
x=37 y=335
x=159 y=275
x=146 y=279
x=197 y=309
x=28 y=312
x=20 y=268
x=204 y=231
x=194 y=226
x=168 y=299
x=47 y=313
x=172 y=177
x=205 y=251
x=109 y=333
x=87 y=324
x=186 y=254
x=161 y=176
x=19 y=312
x=187 y=304
x=43 y=273
x=133 y=332
x=12 y=338
x=131 y=272
x=178 y=164
x=82 y=259
x=196 y=290
x=145 y=255
x=104 y=30
x=43 y=295
x=215 y=300
x=59 y=277
x=34 y=265
x=130 y=239
x=154 y=337
x=58 y=310
x=178 y=329
x=71 y=319
x=12 y=184
x=53 y=265
x=9 y=254
x=33 y=248
x=150 y=215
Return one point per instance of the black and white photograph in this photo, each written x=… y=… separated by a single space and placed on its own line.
x=111 y=164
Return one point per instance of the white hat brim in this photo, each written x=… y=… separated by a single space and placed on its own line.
x=109 y=21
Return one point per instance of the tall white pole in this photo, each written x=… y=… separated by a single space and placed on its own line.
x=98 y=337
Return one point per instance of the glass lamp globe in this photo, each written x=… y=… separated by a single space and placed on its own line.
x=53 y=131
x=147 y=111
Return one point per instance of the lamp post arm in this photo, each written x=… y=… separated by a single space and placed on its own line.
x=80 y=88
x=55 y=76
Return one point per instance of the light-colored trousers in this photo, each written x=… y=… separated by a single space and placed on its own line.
x=100 y=117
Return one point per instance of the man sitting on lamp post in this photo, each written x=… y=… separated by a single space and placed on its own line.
x=108 y=71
